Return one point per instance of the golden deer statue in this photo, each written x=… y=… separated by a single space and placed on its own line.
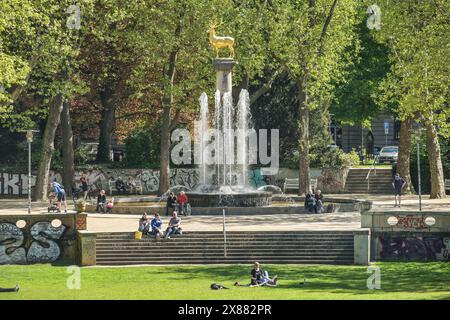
x=220 y=42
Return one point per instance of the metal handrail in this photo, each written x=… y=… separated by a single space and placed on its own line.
x=224 y=235
x=370 y=170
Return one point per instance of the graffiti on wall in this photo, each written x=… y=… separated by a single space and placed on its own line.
x=411 y=222
x=17 y=184
x=433 y=248
x=14 y=184
x=38 y=244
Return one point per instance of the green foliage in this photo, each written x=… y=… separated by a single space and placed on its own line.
x=143 y=147
x=356 y=98
x=334 y=158
x=417 y=34
x=82 y=156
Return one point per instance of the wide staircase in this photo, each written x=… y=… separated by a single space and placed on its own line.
x=314 y=247
x=380 y=181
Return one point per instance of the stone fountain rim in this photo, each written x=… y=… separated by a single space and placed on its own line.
x=240 y=193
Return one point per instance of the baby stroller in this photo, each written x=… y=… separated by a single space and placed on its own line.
x=52 y=205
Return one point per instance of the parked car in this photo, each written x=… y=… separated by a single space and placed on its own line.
x=388 y=154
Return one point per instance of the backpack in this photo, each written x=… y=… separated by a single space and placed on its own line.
x=216 y=286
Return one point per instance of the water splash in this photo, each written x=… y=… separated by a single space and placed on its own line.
x=231 y=130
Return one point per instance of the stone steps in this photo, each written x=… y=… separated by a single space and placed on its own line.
x=313 y=247
x=380 y=183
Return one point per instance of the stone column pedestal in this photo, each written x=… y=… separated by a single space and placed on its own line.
x=86 y=246
x=223 y=68
x=361 y=244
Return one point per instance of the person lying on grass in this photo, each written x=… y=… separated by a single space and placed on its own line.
x=15 y=289
x=260 y=278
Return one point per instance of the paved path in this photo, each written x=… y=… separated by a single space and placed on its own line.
x=282 y=222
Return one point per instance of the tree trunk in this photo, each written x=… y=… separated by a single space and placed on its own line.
x=67 y=148
x=41 y=187
x=167 y=101
x=303 y=143
x=164 y=171
x=404 y=153
x=106 y=125
x=434 y=158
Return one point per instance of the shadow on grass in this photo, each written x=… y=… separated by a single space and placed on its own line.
x=395 y=277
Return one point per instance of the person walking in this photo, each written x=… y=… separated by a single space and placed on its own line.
x=61 y=195
x=398 y=184
x=84 y=185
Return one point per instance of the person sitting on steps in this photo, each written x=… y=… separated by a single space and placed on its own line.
x=144 y=225
x=156 y=224
x=174 y=226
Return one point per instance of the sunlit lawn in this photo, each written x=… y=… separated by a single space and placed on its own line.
x=398 y=281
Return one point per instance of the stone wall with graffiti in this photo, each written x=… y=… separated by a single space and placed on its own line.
x=389 y=246
x=28 y=239
x=16 y=184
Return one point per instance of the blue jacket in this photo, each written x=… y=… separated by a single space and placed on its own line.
x=58 y=188
x=156 y=223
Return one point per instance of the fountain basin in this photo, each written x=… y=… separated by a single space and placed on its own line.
x=219 y=199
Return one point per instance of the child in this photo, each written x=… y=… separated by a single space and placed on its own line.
x=109 y=205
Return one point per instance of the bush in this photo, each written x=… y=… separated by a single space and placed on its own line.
x=334 y=158
x=350 y=159
x=82 y=155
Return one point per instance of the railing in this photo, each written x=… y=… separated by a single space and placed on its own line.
x=374 y=168
x=224 y=235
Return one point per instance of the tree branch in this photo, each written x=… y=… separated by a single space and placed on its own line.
x=267 y=85
x=325 y=26
x=175 y=119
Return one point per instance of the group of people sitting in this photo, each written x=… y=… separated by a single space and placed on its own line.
x=314 y=202
x=103 y=205
x=177 y=203
x=154 y=227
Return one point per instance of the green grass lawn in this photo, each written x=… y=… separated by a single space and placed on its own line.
x=398 y=281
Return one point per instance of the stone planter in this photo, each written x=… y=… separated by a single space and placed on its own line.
x=80 y=207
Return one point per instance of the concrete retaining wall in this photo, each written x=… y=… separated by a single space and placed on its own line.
x=16 y=184
x=44 y=238
x=408 y=236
